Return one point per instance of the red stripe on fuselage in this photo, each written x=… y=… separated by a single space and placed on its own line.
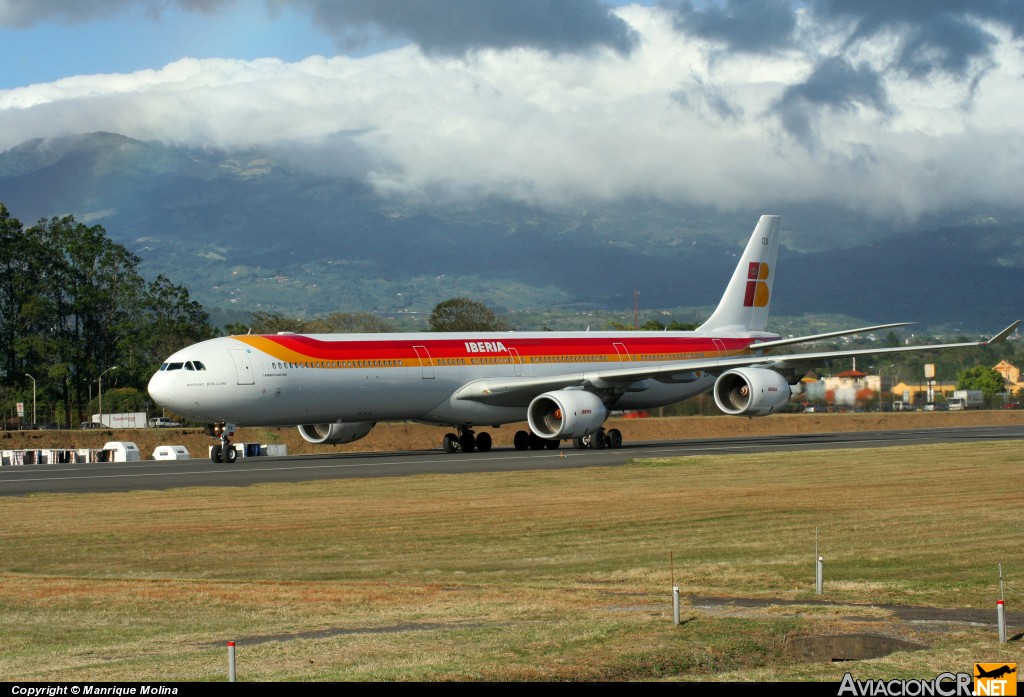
x=292 y=346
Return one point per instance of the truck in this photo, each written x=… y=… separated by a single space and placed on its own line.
x=130 y=419
x=966 y=399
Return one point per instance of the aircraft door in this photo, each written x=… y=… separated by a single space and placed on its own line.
x=243 y=369
x=517 y=362
x=624 y=356
x=426 y=362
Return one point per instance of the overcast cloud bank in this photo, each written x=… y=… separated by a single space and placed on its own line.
x=894 y=110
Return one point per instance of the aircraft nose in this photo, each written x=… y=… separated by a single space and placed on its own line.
x=160 y=388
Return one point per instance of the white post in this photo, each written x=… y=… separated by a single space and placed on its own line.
x=675 y=604
x=231 y=661
x=819 y=582
x=1001 y=621
x=1000 y=618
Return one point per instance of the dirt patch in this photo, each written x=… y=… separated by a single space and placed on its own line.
x=846 y=647
x=389 y=437
x=894 y=620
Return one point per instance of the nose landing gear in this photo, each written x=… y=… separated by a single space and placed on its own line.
x=224 y=451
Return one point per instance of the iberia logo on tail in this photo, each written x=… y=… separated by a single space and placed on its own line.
x=757 y=289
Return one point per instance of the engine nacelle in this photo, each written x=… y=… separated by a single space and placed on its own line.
x=751 y=391
x=566 y=414
x=338 y=432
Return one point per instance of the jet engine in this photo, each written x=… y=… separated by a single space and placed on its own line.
x=751 y=391
x=566 y=414
x=338 y=432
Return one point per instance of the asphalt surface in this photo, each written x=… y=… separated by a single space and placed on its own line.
x=167 y=474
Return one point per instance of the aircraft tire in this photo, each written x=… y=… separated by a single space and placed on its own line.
x=216 y=454
x=230 y=454
x=483 y=442
x=615 y=438
x=467 y=442
x=450 y=443
x=598 y=441
x=521 y=441
x=551 y=444
x=581 y=443
x=536 y=442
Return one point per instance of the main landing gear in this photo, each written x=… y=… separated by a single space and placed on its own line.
x=224 y=451
x=600 y=439
x=526 y=440
x=466 y=441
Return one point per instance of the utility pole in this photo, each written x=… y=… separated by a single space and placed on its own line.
x=33 y=398
x=114 y=367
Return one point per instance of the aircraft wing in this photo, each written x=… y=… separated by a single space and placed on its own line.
x=828 y=335
x=519 y=391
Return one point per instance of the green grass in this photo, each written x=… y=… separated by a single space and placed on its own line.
x=516 y=577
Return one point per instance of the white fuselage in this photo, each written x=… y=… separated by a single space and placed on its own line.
x=291 y=379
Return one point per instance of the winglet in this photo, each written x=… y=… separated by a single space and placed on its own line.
x=1003 y=334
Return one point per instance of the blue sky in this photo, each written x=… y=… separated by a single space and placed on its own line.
x=42 y=43
x=893 y=109
x=133 y=39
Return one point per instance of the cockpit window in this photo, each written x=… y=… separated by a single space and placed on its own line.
x=187 y=365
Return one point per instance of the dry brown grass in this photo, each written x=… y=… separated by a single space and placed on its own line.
x=390 y=437
x=559 y=575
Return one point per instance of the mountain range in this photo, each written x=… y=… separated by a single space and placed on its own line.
x=255 y=230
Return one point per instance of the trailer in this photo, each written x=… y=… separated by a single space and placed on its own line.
x=131 y=419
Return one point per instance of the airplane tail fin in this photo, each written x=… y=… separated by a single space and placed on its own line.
x=744 y=307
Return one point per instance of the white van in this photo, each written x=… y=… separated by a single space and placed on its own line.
x=163 y=422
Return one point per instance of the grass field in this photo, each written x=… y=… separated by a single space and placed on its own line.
x=524 y=576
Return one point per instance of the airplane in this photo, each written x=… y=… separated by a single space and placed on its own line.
x=336 y=387
x=994 y=673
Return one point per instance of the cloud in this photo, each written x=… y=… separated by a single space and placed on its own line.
x=933 y=36
x=834 y=84
x=831 y=116
x=454 y=27
x=26 y=13
x=745 y=26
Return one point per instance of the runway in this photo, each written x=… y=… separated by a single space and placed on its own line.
x=168 y=474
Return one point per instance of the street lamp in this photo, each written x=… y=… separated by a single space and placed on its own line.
x=113 y=367
x=881 y=385
x=33 y=398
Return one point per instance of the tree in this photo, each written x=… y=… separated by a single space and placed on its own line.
x=173 y=321
x=337 y=322
x=464 y=315
x=653 y=325
x=981 y=378
x=356 y=323
x=73 y=306
x=15 y=290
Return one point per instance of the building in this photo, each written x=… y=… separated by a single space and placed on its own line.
x=1011 y=376
x=917 y=392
